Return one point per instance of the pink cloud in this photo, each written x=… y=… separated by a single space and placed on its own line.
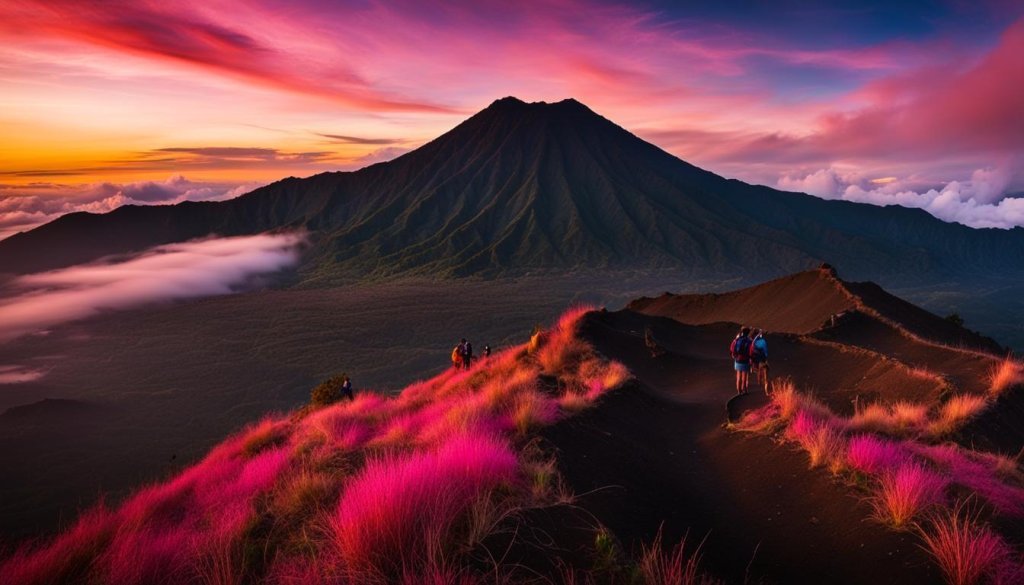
x=919 y=116
x=174 y=33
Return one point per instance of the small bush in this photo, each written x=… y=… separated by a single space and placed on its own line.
x=328 y=391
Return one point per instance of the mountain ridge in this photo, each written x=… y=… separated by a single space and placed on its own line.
x=525 y=188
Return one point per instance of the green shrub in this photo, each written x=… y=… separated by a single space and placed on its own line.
x=328 y=391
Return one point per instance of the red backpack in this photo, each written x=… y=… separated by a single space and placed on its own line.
x=740 y=349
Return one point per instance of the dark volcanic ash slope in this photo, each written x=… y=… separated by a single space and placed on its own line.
x=543 y=187
x=806 y=302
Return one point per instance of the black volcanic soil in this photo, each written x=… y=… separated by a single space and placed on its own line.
x=656 y=453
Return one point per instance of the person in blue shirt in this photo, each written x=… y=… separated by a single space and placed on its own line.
x=759 y=358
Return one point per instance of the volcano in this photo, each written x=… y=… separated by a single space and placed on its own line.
x=544 y=187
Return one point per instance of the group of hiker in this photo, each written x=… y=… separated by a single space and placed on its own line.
x=749 y=351
x=462 y=354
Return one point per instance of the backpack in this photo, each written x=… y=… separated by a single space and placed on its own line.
x=740 y=349
x=457 y=354
x=756 y=353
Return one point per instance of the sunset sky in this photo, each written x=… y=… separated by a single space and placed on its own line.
x=111 y=102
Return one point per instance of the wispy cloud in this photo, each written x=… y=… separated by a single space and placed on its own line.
x=176 y=33
x=340 y=138
x=177 y=271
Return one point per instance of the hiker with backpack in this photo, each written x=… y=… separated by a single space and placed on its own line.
x=739 y=349
x=759 y=358
x=457 y=353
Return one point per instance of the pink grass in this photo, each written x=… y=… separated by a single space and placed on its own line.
x=822 y=441
x=155 y=555
x=976 y=473
x=872 y=455
x=401 y=512
x=404 y=516
x=68 y=559
x=967 y=552
x=531 y=410
x=906 y=492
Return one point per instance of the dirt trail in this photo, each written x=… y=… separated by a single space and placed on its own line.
x=656 y=452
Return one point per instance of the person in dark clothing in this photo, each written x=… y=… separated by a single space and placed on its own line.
x=346 y=389
x=467 y=356
x=487 y=351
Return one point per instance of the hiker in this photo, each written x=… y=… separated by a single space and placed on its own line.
x=759 y=358
x=740 y=351
x=467 y=354
x=346 y=388
x=487 y=351
x=457 y=356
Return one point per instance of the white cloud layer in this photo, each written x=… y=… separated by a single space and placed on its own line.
x=198 y=268
x=23 y=207
x=980 y=201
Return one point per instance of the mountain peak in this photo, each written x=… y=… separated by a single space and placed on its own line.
x=512 y=103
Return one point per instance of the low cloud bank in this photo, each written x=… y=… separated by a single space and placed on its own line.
x=23 y=207
x=979 y=202
x=200 y=268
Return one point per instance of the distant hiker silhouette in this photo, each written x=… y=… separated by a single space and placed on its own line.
x=487 y=351
x=467 y=354
x=739 y=349
x=346 y=389
x=759 y=358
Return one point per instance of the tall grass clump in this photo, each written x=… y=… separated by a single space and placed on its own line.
x=404 y=512
x=906 y=492
x=967 y=552
x=822 y=441
x=955 y=413
x=676 y=567
x=1007 y=374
